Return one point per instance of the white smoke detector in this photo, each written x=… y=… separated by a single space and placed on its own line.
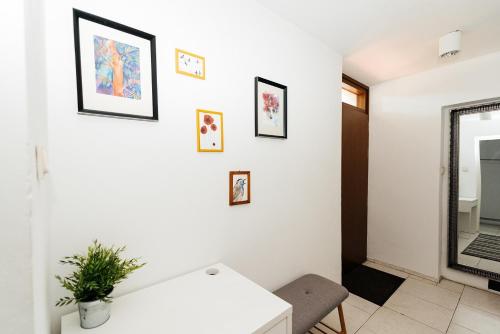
x=450 y=44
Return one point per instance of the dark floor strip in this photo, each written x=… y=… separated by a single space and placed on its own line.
x=371 y=284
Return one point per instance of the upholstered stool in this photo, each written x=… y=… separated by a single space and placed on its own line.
x=313 y=297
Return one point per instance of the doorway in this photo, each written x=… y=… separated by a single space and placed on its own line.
x=355 y=115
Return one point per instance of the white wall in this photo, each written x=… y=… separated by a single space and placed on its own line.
x=16 y=302
x=470 y=128
x=406 y=132
x=144 y=185
x=37 y=126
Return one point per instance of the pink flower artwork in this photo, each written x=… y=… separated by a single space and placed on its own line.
x=210 y=132
x=207 y=119
x=271 y=106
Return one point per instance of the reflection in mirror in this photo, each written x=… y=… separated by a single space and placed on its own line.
x=479 y=191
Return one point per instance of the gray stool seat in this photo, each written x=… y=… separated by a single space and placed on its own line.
x=313 y=297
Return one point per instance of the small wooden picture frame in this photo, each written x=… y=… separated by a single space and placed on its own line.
x=239 y=187
x=210 y=131
x=189 y=64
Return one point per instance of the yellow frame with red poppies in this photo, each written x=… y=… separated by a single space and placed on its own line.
x=198 y=130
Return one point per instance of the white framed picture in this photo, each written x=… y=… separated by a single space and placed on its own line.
x=270 y=109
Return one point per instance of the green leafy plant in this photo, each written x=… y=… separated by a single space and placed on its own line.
x=97 y=273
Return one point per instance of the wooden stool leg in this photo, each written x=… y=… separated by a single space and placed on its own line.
x=342 y=322
x=343 y=330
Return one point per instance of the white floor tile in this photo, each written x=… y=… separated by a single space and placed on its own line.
x=386 y=321
x=432 y=315
x=364 y=330
x=482 y=300
x=316 y=331
x=489 y=265
x=476 y=320
x=421 y=279
x=452 y=286
x=467 y=260
x=489 y=229
x=421 y=307
x=456 y=329
x=353 y=316
x=463 y=243
x=386 y=269
x=430 y=293
x=321 y=329
x=466 y=235
x=362 y=304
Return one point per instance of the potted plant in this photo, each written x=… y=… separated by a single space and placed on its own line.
x=94 y=279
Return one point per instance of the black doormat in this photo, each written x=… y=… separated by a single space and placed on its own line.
x=371 y=284
x=485 y=246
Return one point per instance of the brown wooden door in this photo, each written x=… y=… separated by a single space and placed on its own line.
x=354 y=186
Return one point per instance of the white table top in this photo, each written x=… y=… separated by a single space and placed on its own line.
x=226 y=303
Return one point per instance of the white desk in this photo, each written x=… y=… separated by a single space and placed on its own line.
x=226 y=303
x=468 y=206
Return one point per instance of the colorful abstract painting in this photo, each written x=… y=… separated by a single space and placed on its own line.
x=210 y=130
x=189 y=64
x=117 y=68
x=239 y=187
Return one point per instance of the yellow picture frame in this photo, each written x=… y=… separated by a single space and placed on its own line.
x=199 y=130
x=179 y=53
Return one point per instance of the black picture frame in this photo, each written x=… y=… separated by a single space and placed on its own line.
x=453 y=195
x=78 y=14
x=285 y=116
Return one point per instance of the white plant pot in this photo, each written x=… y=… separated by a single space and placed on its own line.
x=93 y=314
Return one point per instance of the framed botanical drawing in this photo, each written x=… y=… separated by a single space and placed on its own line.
x=270 y=109
x=189 y=64
x=210 y=131
x=115 y=68
x=239 y=188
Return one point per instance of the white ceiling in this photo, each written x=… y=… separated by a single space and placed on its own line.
x=385 y=39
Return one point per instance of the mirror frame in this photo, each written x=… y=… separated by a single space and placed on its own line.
x=453 y=188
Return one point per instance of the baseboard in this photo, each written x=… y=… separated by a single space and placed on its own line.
x=405 y=270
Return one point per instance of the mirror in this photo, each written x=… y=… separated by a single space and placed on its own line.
x=474 y=236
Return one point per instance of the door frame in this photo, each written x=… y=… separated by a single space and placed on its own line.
x=350 y=258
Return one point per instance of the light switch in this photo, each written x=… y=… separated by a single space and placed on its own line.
x=42 y=168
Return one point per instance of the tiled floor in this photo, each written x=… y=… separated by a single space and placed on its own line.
x=420 y=306
x=489 y=228
x=464 y=239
